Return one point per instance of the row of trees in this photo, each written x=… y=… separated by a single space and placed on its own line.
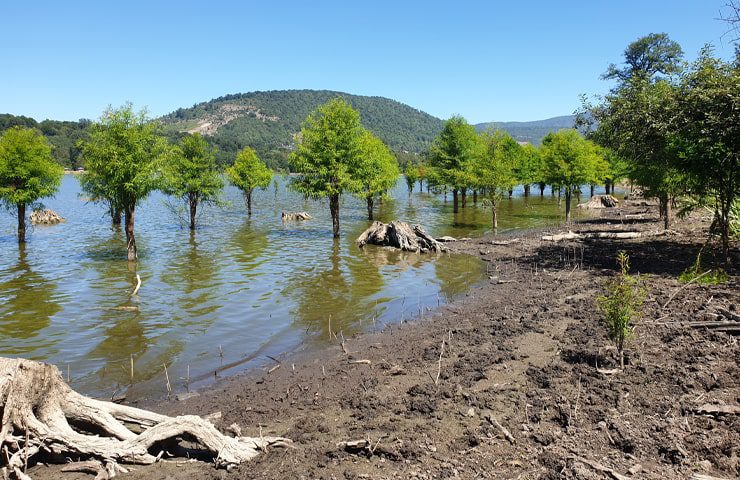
x=125 y=158
x=492 y=163
x=676 y=125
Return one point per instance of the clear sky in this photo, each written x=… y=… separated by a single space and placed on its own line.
x=487 y=60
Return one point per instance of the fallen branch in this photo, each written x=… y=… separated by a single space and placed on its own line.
x=439 y=362
x=507 y=435
x=684 y=286
x=709 y=409
x=601 y=468
x=138 y=285
x=579 y=236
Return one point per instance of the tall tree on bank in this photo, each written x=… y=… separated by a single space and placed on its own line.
x=570 y=161
x=192 y=174
x=494 y=169
x=28 y=171
x=708 y=135
x=377 y=170
x=328 y=154
x=247 y=173
x=452 y=154
x=121 y=159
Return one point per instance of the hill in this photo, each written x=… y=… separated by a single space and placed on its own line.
x=62 y=135
x=268 y=121
x=531 y=132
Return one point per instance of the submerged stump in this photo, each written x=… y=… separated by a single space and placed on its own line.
x=295 y=216
x=41 y=415
x=400 y=235
x=45 y=217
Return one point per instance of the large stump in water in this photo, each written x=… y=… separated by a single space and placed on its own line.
x=400 y=235
x=45 y=217
x=295 y=216
x=41 y=413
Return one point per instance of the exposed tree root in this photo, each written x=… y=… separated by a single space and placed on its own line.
x=400 y=235
x=42 y=414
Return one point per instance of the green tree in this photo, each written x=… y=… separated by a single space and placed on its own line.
x=247 y=173
x=122 y=159
x=377 y=170
x=328 y=154
x=451 y=155
x=411 y=174
x=648 y=57
x=494 y=170
x=28 y=171
x=528 y=169
x=708 y=134
x=570 y=161
x=192 y=174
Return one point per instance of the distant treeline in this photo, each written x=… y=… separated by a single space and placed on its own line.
x=62 y=135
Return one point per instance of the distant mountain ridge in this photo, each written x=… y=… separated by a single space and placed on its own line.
x=533 y=131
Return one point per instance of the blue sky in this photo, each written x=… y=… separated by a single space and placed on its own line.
x=488 y=60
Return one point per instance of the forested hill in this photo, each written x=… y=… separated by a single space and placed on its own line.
x=62 y=135
x=531 y=132
x=268 y=121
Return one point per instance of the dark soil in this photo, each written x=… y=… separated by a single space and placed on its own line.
x=522 y=349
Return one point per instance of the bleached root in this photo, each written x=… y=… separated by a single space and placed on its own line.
x=41 y=413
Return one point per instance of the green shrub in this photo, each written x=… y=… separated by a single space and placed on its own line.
x=697 y=273
x=622 y=304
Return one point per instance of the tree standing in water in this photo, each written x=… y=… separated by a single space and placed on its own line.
x=192 y=174
x=451 y=155
x=28 y=171
x=377 y=171
x=494 y=168
x=121 y=159
x=328 y=154
x=247 y=173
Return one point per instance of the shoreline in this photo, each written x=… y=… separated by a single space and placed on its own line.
x=519 y=349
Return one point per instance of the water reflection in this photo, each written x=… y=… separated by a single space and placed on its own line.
x=26 y=307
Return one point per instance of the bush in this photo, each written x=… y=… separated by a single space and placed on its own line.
x=622 y=305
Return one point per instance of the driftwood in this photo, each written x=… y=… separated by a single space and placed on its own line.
x=507 y=435
x=447 y=238
x=45 y=217
x=42 y=414
x=295 y=216
x=709 y=409
x=600 y=201
x=579 y=236
x=400 y=235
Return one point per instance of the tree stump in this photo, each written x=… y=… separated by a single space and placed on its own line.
x=45 y=217
x=42 y=414
x=400 y=235
x=295 y=216
x=600 y=201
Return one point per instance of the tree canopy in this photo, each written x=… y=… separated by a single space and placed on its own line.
x=28 y=171
x=122 y=160
x=328 y=154
x=192 y=174
x=247 y=173
x=377 y=170
x=494 y=170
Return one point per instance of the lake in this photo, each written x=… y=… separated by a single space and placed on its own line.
x=236 y=292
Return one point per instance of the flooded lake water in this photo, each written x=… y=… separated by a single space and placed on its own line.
x=229 y=296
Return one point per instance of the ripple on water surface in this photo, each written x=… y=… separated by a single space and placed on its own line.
x=236 y=290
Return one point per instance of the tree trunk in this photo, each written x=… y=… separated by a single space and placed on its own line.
x=369 y=199
x=21 y=223
x=40 y=409
x=115 y=214
x=193 y=204
x=475 y=197
x=608 y=187
x=464 y=196
x=334 y=209
x=248 y=200
x=130 y=239
x=667 y=219
x=542 y=189
x=454 y=200
x=526 y=190
x=560 y=197
x=724 y=219
x=511 y=192
x=421 y=186
x=567 y=204
x=592 y=189
x=494 y=212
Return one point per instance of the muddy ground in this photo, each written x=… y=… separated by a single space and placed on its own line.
x=526 y=349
